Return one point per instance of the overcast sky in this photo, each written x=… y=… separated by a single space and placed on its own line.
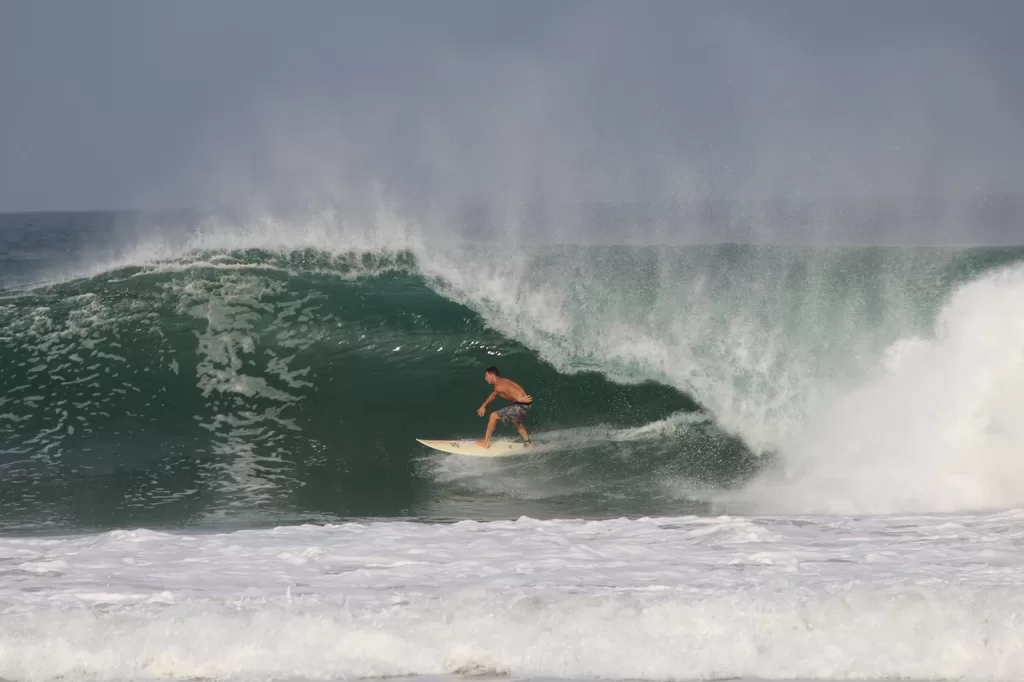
x=142 y=104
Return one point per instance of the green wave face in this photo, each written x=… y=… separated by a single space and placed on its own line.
x=241 y=387
x=250 y=386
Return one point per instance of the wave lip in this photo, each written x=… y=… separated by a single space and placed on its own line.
x=666 y=598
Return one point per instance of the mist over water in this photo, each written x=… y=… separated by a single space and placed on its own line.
x=721 y=125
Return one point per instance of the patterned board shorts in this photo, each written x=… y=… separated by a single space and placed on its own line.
x=514 y=413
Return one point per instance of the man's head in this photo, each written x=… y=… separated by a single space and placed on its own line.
x=491 y=374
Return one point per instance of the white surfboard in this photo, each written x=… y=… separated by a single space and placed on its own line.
x=499 y=448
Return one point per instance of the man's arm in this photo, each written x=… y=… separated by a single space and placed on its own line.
x=490 y=399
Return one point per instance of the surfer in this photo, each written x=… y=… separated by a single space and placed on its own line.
x=513 y=414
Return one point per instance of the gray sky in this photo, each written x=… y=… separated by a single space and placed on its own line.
x=169 y=104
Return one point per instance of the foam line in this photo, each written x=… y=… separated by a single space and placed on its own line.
x=665 y=599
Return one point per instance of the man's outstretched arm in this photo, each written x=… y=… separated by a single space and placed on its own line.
x=490 y=399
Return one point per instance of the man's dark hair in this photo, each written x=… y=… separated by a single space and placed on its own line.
x=492 y=370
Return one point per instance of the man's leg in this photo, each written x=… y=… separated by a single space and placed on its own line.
x=491 y=423
x=522 y=432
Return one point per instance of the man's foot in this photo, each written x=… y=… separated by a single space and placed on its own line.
x=528 y=443
x=483 y=444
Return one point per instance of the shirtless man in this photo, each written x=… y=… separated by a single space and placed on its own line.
x=513 y=414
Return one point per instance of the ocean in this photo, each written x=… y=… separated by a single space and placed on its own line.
x=753 y=461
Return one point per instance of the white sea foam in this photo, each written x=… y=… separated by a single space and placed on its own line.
x=936 y=427
x=670 y=598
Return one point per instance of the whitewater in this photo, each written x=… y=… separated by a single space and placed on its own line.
x=763 y=462
x=683 y=598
